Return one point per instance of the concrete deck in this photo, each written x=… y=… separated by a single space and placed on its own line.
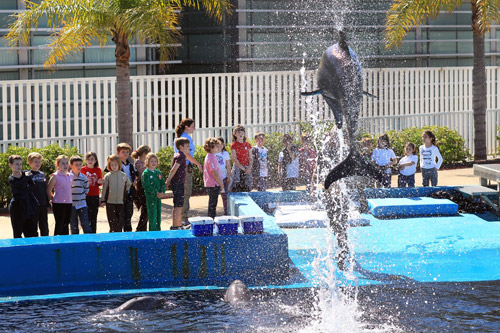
x=199 y=204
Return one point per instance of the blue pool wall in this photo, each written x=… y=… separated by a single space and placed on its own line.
x=135 y=260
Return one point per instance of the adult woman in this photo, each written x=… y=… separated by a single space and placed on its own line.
x=185 y=129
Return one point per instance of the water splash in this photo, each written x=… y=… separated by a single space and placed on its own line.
x=336 y=307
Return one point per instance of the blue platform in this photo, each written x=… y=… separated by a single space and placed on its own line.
x=463 y=247
x=62 y=264
x=410 y=207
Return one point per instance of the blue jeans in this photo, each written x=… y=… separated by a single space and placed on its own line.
x=406 y=180
x=83 y=215
x=429 y=175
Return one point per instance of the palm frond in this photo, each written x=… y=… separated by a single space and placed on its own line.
x=214 y=8
x=487 y=12
x=58 y=13
x=156 y=22
x=406 y=14
x=70 y=40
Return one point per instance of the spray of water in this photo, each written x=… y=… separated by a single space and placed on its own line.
x=336 y=306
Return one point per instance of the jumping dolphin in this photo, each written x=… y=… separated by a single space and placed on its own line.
x=340 y=83
x=237 y=292
x=141 y=303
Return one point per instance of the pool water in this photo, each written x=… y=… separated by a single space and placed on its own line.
x=415 y=307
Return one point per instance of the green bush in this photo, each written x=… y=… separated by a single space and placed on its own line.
x=49 y=154
x=165 y=156
x=450 y=143
x=498 y=140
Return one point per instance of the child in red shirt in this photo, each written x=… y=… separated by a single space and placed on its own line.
x=241 y=153
x=94 y=175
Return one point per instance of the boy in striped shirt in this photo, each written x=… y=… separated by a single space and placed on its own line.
x=79 y=190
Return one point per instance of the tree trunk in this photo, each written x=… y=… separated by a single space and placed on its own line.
x=122 y=54
x=478 y=88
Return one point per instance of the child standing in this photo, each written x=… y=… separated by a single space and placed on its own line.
x=384 y=157
x=62 y=202
x=241 y=153
x=94 y=176
x=40 y=217
x=211 y=175
x=140 y=198
x=79 y=191
x=176 y=178
x=225 y=170
x=154 y=190
x=307 y=161
x=23 y=205
x=260 y=168
x=288 y=164
x=408 y=166
x=428 y=155
x=114 y=190
x=123 y=150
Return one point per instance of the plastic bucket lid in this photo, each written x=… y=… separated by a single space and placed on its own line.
x=227 y=220
x=200 y=220
x=251 y=218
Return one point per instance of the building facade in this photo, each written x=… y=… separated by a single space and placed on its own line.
x=263 y=35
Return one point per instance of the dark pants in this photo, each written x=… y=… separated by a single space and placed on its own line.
x=143 y=219
x=429 y=175
x=128 y=211
x=114 y=212
x=20 y=224
x=224 y=195
x=386 y=181
x=40 y=219
x=93 y=209
x=289 y=184
x=82 y=215
x=261 y=184
x=62 y=215
x=406 y=180
x=213 y=197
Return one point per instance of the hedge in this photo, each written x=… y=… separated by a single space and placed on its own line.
x=49 y=154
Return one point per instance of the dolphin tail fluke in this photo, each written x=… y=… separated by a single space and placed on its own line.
x=312 y=93
x=354 y=165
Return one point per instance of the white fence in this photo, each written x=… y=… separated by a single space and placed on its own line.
x=82 y=112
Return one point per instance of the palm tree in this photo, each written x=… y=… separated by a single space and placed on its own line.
x=405 y=14
x=82 y=22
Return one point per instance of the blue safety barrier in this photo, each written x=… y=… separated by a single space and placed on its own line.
x=57 y=264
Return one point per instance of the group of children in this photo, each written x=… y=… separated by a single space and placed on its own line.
x=73 y=190
x=384 y=157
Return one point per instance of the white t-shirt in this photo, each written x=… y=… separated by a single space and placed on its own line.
x=408 y=171
x=263 y=161
x=383 y=157
x=222 y=157
x=428 y=157
x=292 y=169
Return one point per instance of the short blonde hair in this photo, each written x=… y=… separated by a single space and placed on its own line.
x=210 y=144
x=59 y=158
x=112 y=158
x=149 y=156
x=34 y=155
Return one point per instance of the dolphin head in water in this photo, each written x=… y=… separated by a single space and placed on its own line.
x=237 y=292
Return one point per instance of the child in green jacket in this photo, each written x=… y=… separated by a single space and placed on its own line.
x=154 y=189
